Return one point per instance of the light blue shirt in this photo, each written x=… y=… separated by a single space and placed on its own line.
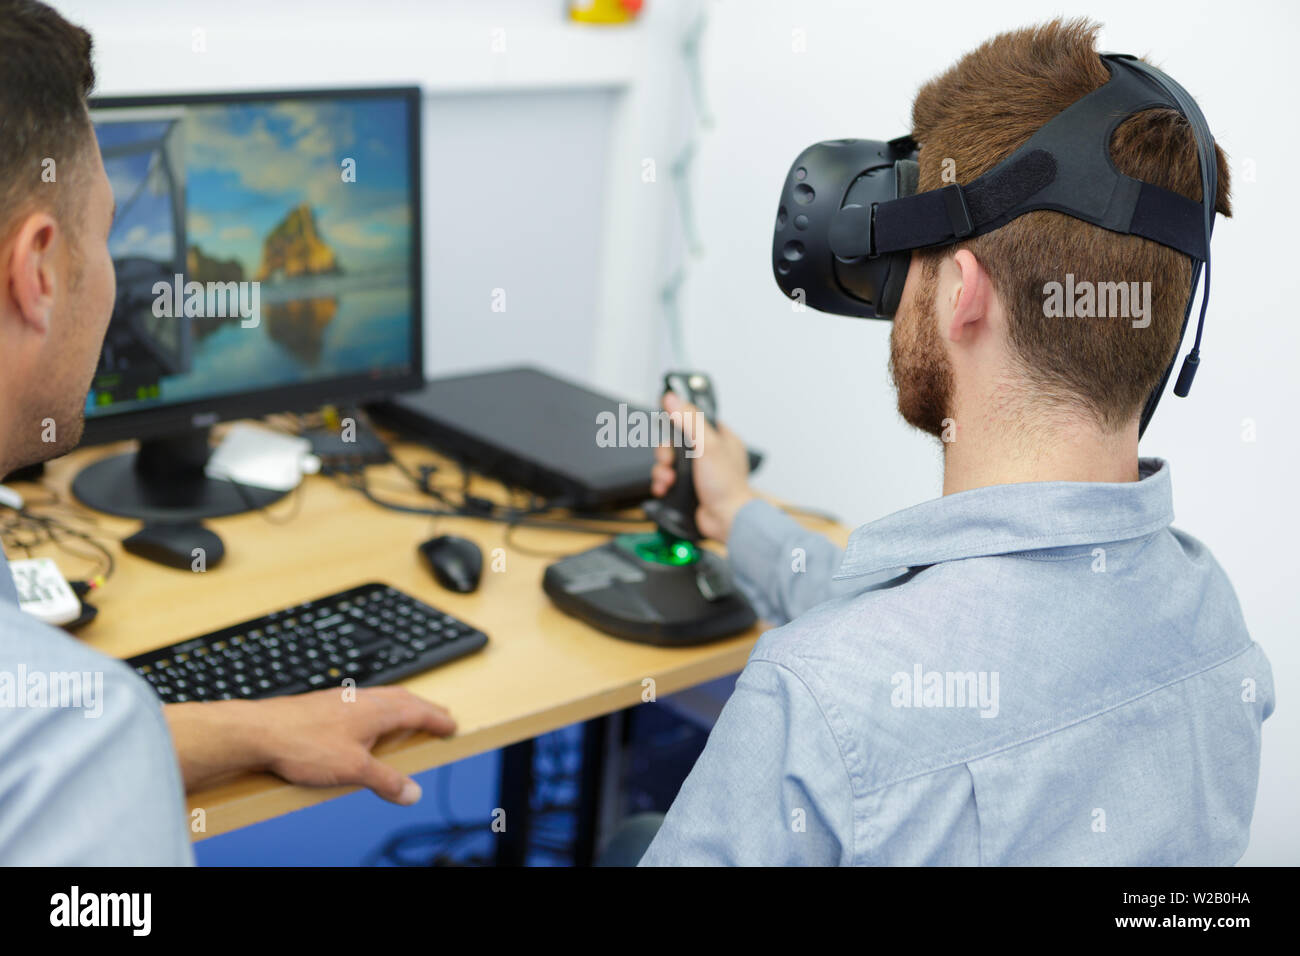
x=1023 y=674
x=88 y=776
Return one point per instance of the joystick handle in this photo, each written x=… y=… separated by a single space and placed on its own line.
x=674 y=513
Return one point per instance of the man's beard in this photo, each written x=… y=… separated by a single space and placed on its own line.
x=918 y=364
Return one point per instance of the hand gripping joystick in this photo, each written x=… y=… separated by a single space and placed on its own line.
x=674 y=513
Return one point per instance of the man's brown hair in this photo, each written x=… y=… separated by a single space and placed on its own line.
x=45 y=77
x=978 y=113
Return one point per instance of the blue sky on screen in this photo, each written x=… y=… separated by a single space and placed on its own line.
x=247 y=165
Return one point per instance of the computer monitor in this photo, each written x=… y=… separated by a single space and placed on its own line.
x=267 y=254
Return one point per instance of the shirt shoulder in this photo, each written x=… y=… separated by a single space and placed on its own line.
x=910 y=672
x=88 y=775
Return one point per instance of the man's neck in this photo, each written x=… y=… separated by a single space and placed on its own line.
x=1001 y=450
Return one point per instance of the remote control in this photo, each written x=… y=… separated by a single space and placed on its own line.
x=43 y=592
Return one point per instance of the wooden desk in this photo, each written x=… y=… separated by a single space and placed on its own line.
x=540 y=671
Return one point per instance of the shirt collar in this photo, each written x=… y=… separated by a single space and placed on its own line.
x=1004 y=519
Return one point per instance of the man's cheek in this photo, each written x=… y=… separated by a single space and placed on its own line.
x=109 y=295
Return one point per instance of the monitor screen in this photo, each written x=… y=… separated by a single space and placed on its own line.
x=266 y=249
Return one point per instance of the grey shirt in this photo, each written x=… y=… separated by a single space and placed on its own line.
x=1023 y=674
x=88 y=775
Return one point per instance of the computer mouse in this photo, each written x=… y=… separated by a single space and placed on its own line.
x=455 y=563
x=174 y=544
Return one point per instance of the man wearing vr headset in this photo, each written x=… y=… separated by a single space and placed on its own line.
x=1034 y=668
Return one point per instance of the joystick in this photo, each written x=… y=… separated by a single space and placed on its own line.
x=674 y=513
x=658 y=587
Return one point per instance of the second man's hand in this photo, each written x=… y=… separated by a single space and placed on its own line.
x=720 y=465
x=320 y=739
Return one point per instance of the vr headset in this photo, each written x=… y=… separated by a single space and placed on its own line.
x=850 y=214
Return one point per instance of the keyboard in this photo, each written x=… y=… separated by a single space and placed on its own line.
x=373 y=634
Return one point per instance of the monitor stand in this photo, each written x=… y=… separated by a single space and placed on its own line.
x=164 y=481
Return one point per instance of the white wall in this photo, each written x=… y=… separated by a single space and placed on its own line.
x=513 y=201
x=812 y=390
x=535 y=132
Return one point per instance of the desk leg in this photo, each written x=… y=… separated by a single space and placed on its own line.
x=516 y=791
x=604 y=744
x=590 y=785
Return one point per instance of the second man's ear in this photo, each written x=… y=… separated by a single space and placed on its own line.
x=30 y=269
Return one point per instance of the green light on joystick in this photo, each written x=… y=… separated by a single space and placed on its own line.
x=684 y=552
x=656 y=547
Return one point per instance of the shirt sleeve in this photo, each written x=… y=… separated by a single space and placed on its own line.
x=780 y=566
x=90 y=785
x=770 y=788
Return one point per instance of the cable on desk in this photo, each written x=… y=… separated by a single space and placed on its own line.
x=473 y=506
x=25 y=529
x=528 y=517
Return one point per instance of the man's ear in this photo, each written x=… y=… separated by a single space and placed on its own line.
x=974 y=295
x=32 y=275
